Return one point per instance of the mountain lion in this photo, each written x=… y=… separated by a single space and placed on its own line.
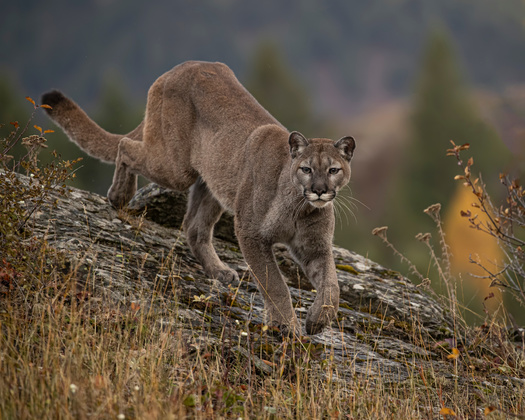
x=204 y=131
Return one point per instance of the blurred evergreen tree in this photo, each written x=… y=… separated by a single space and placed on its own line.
x=115 y=113
x=278 y=90
x=12 y=109
x=443 y=110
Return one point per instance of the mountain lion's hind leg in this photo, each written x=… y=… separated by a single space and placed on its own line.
x=202 y=214
x=129 y=159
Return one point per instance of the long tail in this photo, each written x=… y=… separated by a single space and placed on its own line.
x=82 y=130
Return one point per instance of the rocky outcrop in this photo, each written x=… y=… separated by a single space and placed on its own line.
x=385 y=325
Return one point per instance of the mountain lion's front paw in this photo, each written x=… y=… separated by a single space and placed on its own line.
x=318 y=317
x=226 y=275
x=290 y=330
x=288 y=327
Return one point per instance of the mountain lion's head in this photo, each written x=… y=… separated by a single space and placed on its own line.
x=320 y=167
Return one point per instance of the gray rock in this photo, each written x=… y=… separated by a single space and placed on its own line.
x=167 y=208
x=385 y=324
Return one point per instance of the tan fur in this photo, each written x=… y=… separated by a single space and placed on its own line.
x=203 y=130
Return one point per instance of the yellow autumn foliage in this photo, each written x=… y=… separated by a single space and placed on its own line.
x=465 y=241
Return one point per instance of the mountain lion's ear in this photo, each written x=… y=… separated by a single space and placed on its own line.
x=346 y=146
x=297 y=143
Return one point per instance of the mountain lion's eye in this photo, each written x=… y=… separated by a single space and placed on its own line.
x=306 y=169
x=333 y=171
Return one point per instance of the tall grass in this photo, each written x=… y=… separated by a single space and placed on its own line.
x=66 y=353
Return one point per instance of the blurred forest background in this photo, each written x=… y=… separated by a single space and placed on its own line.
x=404 y=77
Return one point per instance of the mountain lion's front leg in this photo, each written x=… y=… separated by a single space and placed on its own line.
x=318 y=264
x=277 y=299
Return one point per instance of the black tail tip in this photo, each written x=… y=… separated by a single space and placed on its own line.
x=52 y=98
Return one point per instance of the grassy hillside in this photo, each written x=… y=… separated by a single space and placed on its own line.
x=106 y=315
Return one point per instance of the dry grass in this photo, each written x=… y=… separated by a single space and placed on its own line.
x=66 y=353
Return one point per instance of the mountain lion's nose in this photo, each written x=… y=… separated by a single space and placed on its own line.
x=319 y=190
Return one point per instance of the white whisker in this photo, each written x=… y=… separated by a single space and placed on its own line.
x=344 y=208
x=351 y=197
x=338 y=212
x=299 y=207
x=348 y=201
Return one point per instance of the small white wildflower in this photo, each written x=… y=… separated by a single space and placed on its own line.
x=121 y=416
x=271 y=410
x=136 y=388
x=73 y=388
x=244 y=333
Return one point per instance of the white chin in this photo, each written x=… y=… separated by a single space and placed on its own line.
x=319 y=203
